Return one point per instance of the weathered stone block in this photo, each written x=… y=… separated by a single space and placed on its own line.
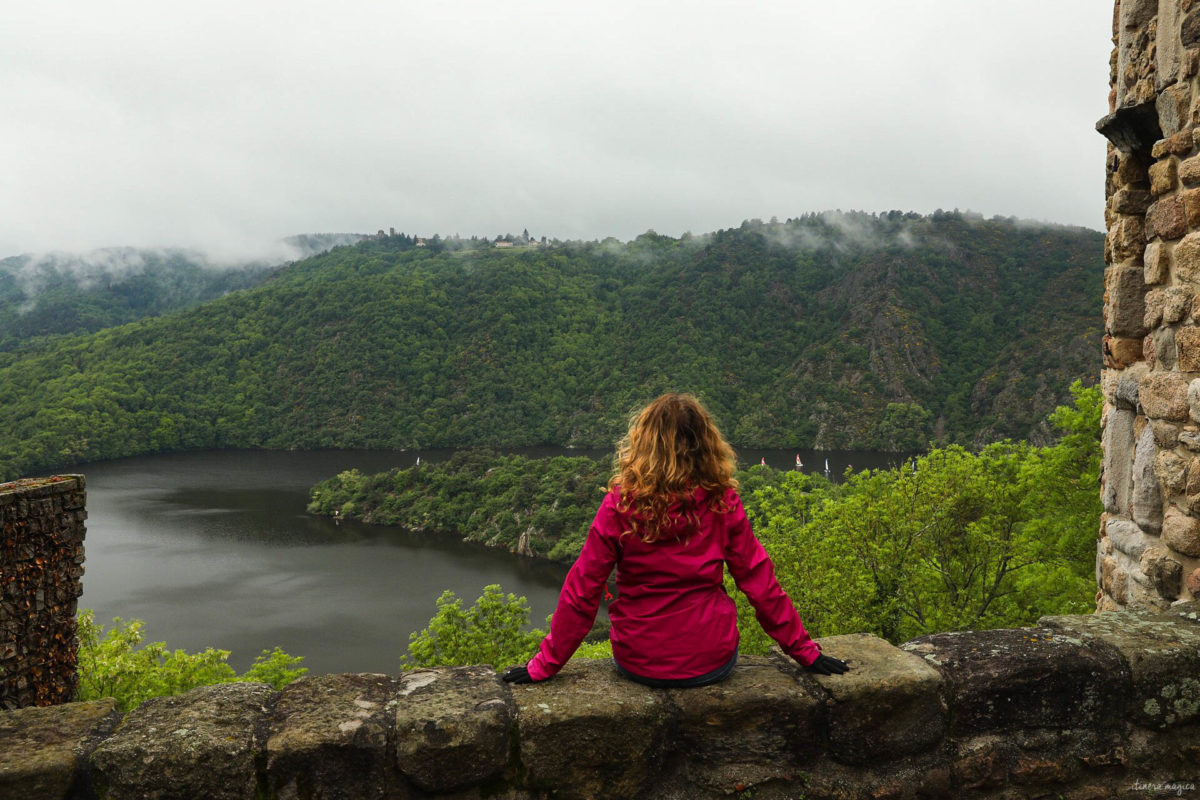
x=1182 y=531
x=1170 y=470
x=568 y=746
x=1191 y=208
x=1189 y=437
x=1189 y=171
x=1117 y=440
x=1168 y=47
x=1146 y=498
x=1164 y=347
x=1160 y=652
x=1125 y=301
x=44 y=750
x=1004 y=680
x=1126 y=239
x=1176 y=305
x=1126 y=537
x=1178 y=144
x=1132 y=201
x=1155 y=300
x=759 y=724
x=1120 y=353
x=203 y=743
x=1156 y=266
x=1164 y=395
x=1165 y=220
x=1164 y=176
x=1173 y=104
x=453 y=726
x=1166 y=434
x=1189 y=30
x=329 y=738
x=1125 y=395
x=890 y=704
x=1193 y=583
x=1113 y=580
x=1186 y=256
x=1187 y=343
x=1164 y=573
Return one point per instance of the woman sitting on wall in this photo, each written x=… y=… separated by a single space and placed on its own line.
x=670 y=522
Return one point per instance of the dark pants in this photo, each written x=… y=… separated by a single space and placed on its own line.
x=718 y=674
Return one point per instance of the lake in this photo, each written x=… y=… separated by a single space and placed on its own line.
x=214 y=548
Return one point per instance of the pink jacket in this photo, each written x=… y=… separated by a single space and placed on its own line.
x=672 y=617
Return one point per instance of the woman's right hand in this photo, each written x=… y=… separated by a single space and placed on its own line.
x=517 y=675
x=828 y=665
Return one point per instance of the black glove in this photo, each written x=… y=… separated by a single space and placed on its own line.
x=517 y=675
x=824 y=665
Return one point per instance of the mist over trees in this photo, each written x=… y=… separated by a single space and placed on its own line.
x=828 y=331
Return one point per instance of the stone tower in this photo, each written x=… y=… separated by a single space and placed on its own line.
x=1149 y=549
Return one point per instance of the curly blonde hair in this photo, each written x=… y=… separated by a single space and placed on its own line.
x=673 y=447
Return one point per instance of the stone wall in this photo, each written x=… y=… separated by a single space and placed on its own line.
x=1149 y=547
x=1079 y=707
x=41 y=563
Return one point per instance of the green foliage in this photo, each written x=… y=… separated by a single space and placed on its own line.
x=539 y=506
x=990 y=539
x=902 y=428
x=986 y=539
x=492 y=631
x=111 y=664
x=795 y=333
x=594 y=650
x=54 y=295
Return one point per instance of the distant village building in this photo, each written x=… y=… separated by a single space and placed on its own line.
x=421 y=242
x=503 y=243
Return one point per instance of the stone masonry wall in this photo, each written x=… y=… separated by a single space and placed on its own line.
x=41 y=563
x=1149 y=547
x=1079 y=707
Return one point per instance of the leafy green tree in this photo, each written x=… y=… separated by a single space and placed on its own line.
x=111 y=664
x=902 y=427
x=492 y=631
x=966 y=540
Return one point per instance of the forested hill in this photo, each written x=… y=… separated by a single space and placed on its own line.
x=49 y=294
x=52 y=294
x=830 y=331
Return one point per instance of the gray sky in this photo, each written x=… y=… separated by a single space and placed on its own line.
x=228 y=125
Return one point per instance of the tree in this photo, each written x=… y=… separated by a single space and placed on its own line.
x=902 y=427
x=112 y=665
x=967 y=540
x=489 y=632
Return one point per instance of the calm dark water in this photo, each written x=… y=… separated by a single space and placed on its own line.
x=215 y=549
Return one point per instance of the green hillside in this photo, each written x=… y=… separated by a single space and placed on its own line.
x=50 y=295
x=834 y=331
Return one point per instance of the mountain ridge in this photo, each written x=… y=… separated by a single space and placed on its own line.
x=834 y=331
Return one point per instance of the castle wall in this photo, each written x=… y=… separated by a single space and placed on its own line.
x=41 y=563
x=1079 y=707
x=1149 y=545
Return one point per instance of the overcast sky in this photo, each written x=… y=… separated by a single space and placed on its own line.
x=228 y=125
